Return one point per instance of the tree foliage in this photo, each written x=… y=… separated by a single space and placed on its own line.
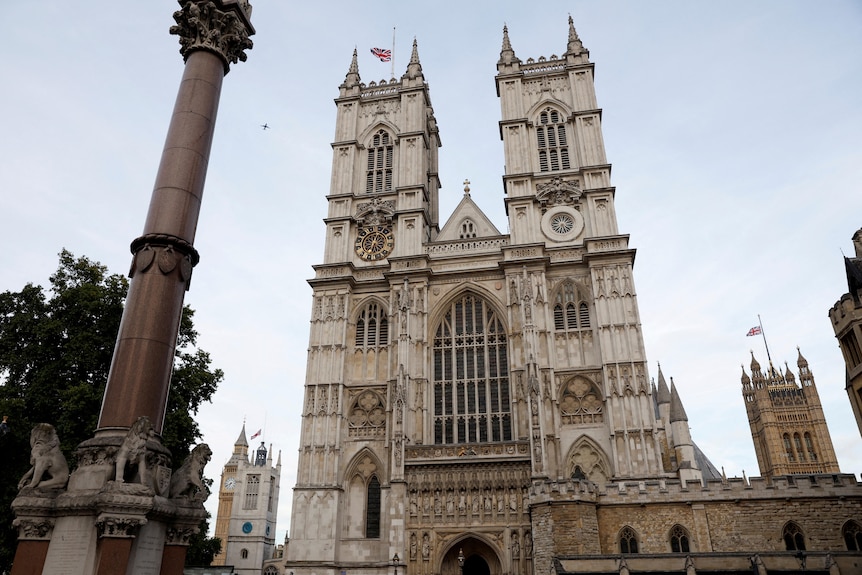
x=55 y=352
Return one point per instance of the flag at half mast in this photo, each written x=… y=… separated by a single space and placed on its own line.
x=256 y=434
x=754 y=331
x=382 y=53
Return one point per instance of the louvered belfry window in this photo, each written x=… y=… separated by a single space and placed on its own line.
x=372 y=328
x=378 y=177
x=471 y=375
x=552 y=142
x=571 y=312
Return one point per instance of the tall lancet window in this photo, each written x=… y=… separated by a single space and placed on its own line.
x=378 y=178
x=552 y=142
x=471 y=375
x=571 y=312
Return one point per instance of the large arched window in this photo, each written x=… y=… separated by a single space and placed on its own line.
x=852 y=534
x=628 y=540
x=378 y=177
x=788 y=449
x=812 y=455
x=552 y=143
x=471 y=375
x=571 y=312
x=793 y=537
x=679 y=540
x=372 y=327
x=372 y=509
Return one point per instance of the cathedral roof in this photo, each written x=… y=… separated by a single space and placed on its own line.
x=482 y=227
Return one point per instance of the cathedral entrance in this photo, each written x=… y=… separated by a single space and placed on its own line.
x=478 y=559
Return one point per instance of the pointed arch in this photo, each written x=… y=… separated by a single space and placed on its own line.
x=680 y=540
x=581 y=402
x=550 y=123
x=794 y=538
x=628 y=540
x=367 y=415
x=851 y=532
x=571 y=307
x=587 y=461
x=470 y=368
x=371 y=329
x=562 y=107
x=379 y=141
x=363 y=491
x=474 y=546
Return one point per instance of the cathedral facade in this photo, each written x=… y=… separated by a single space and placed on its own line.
x=479 y=402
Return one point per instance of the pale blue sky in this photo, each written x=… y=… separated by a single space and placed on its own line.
x=733 y=129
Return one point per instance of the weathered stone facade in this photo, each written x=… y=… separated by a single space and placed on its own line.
x=480 y=403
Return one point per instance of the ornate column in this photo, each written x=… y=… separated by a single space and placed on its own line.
x=213 y=34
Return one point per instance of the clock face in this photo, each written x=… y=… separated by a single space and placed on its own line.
x=246 y=527
x=374 y=243
x=230 y=483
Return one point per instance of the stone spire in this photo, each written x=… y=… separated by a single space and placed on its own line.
x=575 y=51
x=241 y=441
x=677 y=411
x=746 y=381
x=507 y=54
x=352 y=77
x=414 y=68
x=663 y=393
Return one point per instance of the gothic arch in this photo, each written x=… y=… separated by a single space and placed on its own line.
x=587 y=461
x=442 y=308
x=472 y=545
x=367 y=415
x=561 y=106
x=580 y=401
x=368 y=133
x=361 y=322
x=362 y=482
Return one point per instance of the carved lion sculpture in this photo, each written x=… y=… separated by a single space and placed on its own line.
x=50 y=470
x=187 y=481
x=134 y=450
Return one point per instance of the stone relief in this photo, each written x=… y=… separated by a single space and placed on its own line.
x=187 y=481
x=581 y=403
x=202 y=26
x=587 y=463
x=367 y=415
x=133 y=452
x=49 y=468
x=377 y=212
x=558 y=192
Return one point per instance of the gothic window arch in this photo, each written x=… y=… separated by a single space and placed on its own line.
x=788 y=448
x=367 y=415
x=794 y=540
x=471 y=375
x=378 y=175
x=809 y=446
x=679 y=539
x=467 y=230
x=270 y=570
x=364 y=498
x=580 y=402
x=852 y=534
x=628 y=540
x=552 y=141
x=252 y=490
x=571 y=311
x=372 y=327
x=797 y=443
x=587 y=462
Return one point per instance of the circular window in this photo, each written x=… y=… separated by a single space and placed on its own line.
x=562 y=224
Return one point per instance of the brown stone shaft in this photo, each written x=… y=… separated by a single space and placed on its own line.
x=29 y=557
x=140 y=373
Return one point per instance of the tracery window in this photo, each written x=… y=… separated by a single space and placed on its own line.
x=793 y=538
x=580 y=403
x=378 y=177
x=372 y=327
x=552 y=143
x=571 y=312
x=679 y=539
x=788 y=449
x=252 y=489
x=809 y=445
x=270 y=570
x=471 y=375
x=852 y=533
x=797 y=442
x=372 y=509
x=367 y=415
x=468 y=230
x=628 y=540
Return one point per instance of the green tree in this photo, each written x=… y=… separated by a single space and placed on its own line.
x=55 y=353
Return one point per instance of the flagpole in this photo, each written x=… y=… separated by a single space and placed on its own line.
x=393 y=52
x=763 y=333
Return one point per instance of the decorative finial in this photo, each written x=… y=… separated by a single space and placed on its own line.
x=467 y=188
x=414 y=68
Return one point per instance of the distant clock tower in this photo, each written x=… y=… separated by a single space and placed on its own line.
x=248 y=506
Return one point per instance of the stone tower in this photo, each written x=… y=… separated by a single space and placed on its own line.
x=248 y=507
x=787 y=422
x=846 y=316
x=452 y=369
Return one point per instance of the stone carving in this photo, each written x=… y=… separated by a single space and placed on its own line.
x=33 y=528
x=202 y=26
x=187 y=481
x=133 y=451
x=558 y=192
x=377 y=212
x=180 y=535
x=118 y=526
x=50 y=470
x=426 y=546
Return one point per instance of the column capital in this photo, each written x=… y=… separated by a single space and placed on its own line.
x=221 y=27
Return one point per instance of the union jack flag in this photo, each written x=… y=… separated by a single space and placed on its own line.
x=382 y=53
x=753 y=331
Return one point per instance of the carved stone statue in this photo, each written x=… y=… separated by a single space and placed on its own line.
x=50 y=470
x=187 y=481
x=133 y=451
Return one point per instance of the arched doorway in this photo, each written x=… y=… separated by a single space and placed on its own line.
x=479 y=558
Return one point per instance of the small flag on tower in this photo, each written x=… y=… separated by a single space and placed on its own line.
x=256 y=434
x=753 y=331
x=382 y=53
